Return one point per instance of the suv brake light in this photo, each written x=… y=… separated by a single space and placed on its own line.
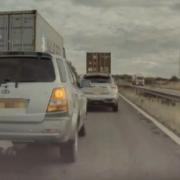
x=58 y=101
x=114 y=88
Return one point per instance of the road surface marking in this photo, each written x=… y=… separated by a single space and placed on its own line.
x=163 y=128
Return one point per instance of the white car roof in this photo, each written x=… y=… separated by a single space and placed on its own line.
x=97 y=74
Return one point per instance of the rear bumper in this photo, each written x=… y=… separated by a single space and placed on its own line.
x=102 y=101
x=51 y=131
x=31 y=137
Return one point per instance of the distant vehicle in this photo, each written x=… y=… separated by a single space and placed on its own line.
x=40 y=101
x=100 y=88
x=28 y=31
x=138 y=80
x=98 y=62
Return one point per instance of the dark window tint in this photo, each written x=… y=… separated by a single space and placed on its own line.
x=62 y=70
x=98 y=79
x=26 y=69
x=85 y=83
x=140 y=78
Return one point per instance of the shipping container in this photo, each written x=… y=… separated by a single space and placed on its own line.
x=98 y=62
x=28 y=31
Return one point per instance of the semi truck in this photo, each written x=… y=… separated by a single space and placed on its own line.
x=28 y=31
x=138 y=80
x=98 y=62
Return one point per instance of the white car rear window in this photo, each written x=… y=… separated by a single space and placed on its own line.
x=98 y=79
x=26 y=69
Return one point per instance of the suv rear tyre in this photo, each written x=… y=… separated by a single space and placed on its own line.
x=69 y=150
x=115 y=107
x=82 y=131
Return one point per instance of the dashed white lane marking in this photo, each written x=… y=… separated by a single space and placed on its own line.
x=168 y=132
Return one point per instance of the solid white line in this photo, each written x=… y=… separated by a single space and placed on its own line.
x=168 y=132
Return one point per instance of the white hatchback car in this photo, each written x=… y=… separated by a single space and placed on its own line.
x=100 y=88
x=40 y=101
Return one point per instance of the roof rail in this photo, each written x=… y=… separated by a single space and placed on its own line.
x=21 y=53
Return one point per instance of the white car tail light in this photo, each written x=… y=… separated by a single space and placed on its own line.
x=58 y=101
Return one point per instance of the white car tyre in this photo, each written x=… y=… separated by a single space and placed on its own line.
x=115 y=107
x=82 y=131
x=69 y=150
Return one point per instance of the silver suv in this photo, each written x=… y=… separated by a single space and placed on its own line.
x=40 y=101
x=100 y=88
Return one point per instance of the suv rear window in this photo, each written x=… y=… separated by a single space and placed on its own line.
x=26 y=69
x=98 y=79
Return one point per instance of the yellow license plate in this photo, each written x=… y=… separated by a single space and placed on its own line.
x=12 y=103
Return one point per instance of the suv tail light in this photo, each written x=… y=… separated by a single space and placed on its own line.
x=114 y=88
x=58 y=101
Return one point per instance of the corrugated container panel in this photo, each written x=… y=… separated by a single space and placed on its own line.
x=98 y=62
x=105 y=62
x=28 y=31
x=21 y=32
x=47 y=39
x=3 y=32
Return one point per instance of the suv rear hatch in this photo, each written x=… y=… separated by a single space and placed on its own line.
x=25 y=86
x=98 y=85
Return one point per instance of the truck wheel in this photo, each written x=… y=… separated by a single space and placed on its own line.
x=82 y=131
x=69 y=150
x=115 y=108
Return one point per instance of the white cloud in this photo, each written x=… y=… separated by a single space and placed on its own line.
x=142 y=35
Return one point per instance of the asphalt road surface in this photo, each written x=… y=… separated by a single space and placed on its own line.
x=118 y=146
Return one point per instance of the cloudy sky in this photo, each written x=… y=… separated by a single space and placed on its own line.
x=142 y=35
